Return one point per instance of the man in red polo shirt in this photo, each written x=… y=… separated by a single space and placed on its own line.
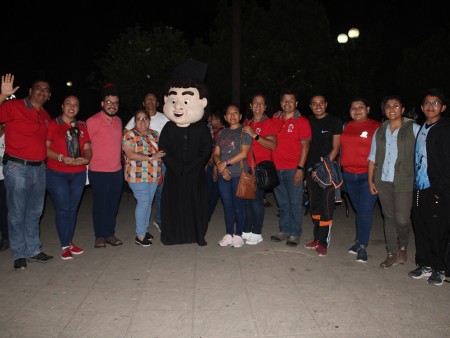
x=26 y=124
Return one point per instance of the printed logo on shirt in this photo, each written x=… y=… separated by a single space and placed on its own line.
x=364 y=134
x=325 y=131
x=290 y=128
x=258 y=130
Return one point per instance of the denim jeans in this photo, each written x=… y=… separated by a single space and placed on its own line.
x=213 y=189
x=66 y=190
x=157 y=198
x=363 y=202
x=107 y=191
x=290 y=203
x=25 y=195
x=3 y=211
x=233 y=206
x=144 y=193
x=255 y=213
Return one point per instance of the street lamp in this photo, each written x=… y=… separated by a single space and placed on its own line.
x=353 y=33
x=342 y=38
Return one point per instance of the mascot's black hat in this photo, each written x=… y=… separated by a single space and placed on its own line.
x=192 y=69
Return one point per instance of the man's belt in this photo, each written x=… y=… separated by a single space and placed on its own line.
x=7 y=158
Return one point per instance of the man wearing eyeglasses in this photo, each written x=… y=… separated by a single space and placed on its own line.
x=391 y=176
x=431 y=195
x=26 y=123
x=105 y=168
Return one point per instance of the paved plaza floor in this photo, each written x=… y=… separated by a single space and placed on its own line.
x=266 y=290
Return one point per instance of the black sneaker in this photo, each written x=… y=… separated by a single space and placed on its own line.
x=20 y=264
x=144 y=242
x=361 y=254
x=354 y=249
x=148 y=235
x=40 y=258
x=420 y=272
x=437 y=278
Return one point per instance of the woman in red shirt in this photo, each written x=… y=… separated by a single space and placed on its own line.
x=356 y=139
x=68 y=153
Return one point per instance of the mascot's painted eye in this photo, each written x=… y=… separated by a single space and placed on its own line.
x=172 y=101
x=187 y=101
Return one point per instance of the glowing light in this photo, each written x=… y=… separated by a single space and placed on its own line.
x=342 y=38
x=353 y=33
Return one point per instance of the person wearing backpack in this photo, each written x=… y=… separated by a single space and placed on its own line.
x=326 y=139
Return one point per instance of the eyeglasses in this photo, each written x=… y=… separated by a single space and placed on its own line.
x=431 y=104
x=140 y=119
x=394 y=106
x=112 y=103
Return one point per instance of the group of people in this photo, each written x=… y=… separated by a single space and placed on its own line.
x=399 y=162
x=166 y=158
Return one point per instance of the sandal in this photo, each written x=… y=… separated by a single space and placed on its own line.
x=113 y=240
x=100 y=243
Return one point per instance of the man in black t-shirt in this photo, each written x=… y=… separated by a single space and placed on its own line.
x=326 y=135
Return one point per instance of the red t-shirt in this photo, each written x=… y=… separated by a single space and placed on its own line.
x=356 y=140
x=290 y=134
x=106 y=142
x=25 y=129
x=57 y=131
x=264 y=127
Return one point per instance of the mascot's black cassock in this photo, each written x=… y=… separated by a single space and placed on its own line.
x=187 y=142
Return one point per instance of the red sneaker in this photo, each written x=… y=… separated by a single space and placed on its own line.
x=312 y=245
x=321 y=250
x=75 y=250
x=66 y=254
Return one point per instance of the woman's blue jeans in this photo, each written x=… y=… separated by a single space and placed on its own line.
x=363 y=202
x=66 y=190
x=290 y=202
x=144 y=193
x=233 y=206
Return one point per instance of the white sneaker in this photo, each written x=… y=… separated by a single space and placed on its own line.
x=157 y=225
x=254 y=239
x=226 y=240
x=237 y=241
x=246 y=235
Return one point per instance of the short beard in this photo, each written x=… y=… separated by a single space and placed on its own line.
x=110 y=115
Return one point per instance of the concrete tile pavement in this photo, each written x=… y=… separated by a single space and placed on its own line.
x=266 y=290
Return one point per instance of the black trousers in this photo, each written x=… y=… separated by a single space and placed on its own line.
x=430 y=218
x=321 y=206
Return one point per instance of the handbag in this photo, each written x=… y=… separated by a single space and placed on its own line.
x=246 y=188
x=266 y=175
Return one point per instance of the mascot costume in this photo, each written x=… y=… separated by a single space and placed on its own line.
x=187 y=143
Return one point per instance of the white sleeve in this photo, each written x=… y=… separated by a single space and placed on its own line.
x=130 y=125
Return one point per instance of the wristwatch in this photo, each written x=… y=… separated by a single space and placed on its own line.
x=228 y=163
x=299 y=167
x=256 y=137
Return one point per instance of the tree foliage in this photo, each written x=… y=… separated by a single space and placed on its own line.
x=140 y=60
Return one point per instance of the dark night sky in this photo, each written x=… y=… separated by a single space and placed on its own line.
x=35 y=41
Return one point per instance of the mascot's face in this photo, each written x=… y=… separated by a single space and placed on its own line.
x=184 y=106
